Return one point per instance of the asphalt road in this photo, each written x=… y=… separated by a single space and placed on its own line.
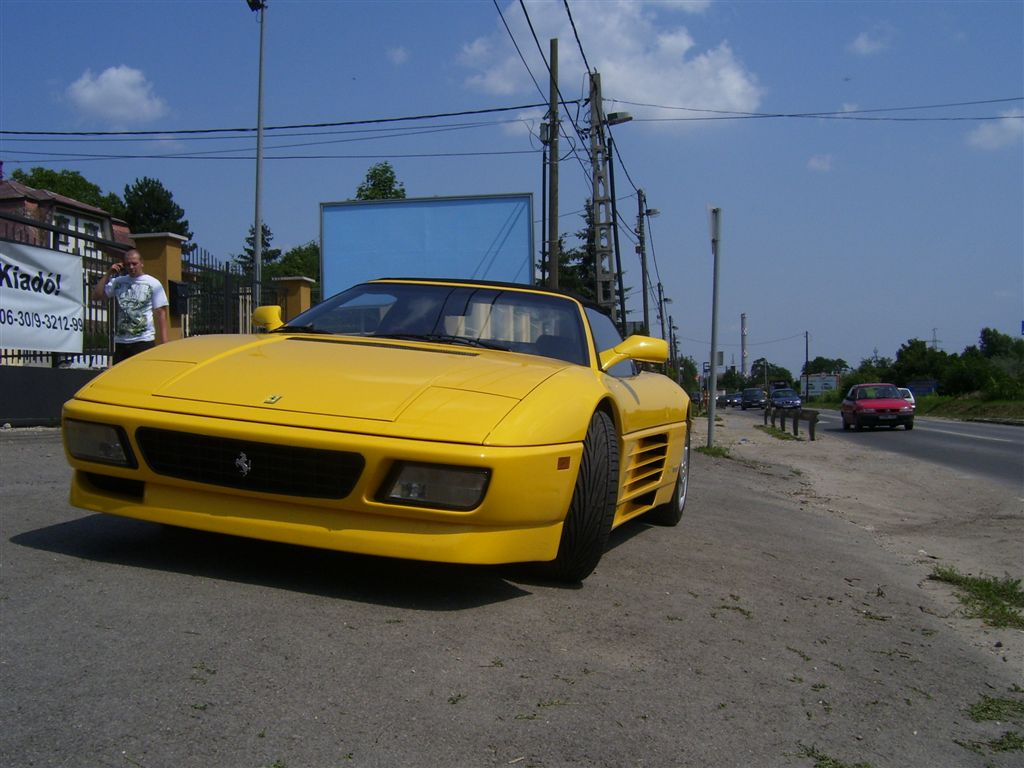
x=759 y=632
x=974 y=449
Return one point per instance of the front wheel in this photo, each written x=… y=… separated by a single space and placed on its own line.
x=592 y=509
x=671 y=512
x=909 y=425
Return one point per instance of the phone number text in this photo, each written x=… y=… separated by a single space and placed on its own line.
x=45 y=320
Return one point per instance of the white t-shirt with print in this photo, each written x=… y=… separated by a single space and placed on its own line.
x=136 y=298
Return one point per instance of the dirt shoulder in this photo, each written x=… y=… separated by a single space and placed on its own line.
x=921 y=513
x=916 y=508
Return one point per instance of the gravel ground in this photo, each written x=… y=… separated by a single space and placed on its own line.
x=787 y=621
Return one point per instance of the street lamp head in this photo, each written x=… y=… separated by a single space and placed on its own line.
x=256 y=5
x=652 y=212
x=615 y=118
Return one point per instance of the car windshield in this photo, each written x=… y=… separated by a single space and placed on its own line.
x=484 y=316
x=880 y=392
x=784 y=393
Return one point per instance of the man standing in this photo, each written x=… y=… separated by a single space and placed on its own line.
x=141 y=316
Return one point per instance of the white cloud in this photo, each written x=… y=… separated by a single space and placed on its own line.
x=870 y=43
x=398 y=55
x=1005 y=132
x=820 y=163
x=120 y=95
x=643 y=53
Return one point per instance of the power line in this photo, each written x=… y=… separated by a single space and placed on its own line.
x=54 y=156
x=853 y=114
x=576 y=32
x=336 y=124
x=561 y=99
x=518 y=50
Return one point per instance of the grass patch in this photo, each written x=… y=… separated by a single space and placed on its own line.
x=821 y=760
x=997 y=602
x=998 y=710
x=1011 y=741
x=775 y=432
x=715 y=451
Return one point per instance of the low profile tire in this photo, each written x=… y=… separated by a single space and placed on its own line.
x=671 y=512
x=592 y=509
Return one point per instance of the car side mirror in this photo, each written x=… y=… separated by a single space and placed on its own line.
x=267 y=318
x=645 y=349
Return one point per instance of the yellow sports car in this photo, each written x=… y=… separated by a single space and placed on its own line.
x=445 y=420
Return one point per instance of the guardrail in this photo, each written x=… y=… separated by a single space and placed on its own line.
x=796 y=415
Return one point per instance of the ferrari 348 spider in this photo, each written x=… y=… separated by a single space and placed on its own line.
x=444 y=420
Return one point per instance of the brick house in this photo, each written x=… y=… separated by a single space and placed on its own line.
x=27 y=203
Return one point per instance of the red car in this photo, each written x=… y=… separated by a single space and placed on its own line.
x=873 y=405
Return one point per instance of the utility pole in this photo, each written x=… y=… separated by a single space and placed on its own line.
x=743 y=344
x=553 y=250
x=661 y=310
x=807 y=364
x=641 y=249
x=601 y=202
x=716 y=217
x=615 y=231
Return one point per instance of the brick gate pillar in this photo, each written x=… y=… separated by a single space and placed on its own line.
x=161 y=253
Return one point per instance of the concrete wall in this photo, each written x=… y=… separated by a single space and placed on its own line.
x=32 y=397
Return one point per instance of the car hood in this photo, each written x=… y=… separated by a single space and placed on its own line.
x=432 y=391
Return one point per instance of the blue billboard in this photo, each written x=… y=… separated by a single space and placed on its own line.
x=486 y=237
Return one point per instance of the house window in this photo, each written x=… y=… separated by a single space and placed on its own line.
x=89 y=227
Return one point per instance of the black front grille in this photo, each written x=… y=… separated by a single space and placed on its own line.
x=249 y=465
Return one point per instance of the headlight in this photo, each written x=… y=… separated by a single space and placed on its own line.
x=101 y=443
x=906 y=409
x=435 y=485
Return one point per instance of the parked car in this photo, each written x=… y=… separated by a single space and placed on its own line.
x=753 y=398
x=450 y=421
x=784 y=397
x=908 y=396
x=878 y=404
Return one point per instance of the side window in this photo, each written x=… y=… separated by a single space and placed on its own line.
x=606 y=336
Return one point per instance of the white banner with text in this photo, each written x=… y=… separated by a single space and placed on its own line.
x=41 y=302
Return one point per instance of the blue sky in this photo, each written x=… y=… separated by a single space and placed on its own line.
x=863 y=232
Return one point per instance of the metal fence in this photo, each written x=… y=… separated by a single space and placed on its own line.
x=97 y=339
x=219 y=296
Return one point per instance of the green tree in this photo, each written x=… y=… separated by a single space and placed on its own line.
x=995 y=344
x=268 y=255
x=731 y=380
x=916 y=360
x=381 y=183
x=763 y=371
x=687 y=374
x=825 y=365
x=71 y=184
x=150 y=207
x=301 y=261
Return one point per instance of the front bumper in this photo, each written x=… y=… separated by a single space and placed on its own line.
x=884 y=419
x=519 y=519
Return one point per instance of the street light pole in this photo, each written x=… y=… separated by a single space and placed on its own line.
x=553 y=246
x=716 y=217
x=260 y=7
